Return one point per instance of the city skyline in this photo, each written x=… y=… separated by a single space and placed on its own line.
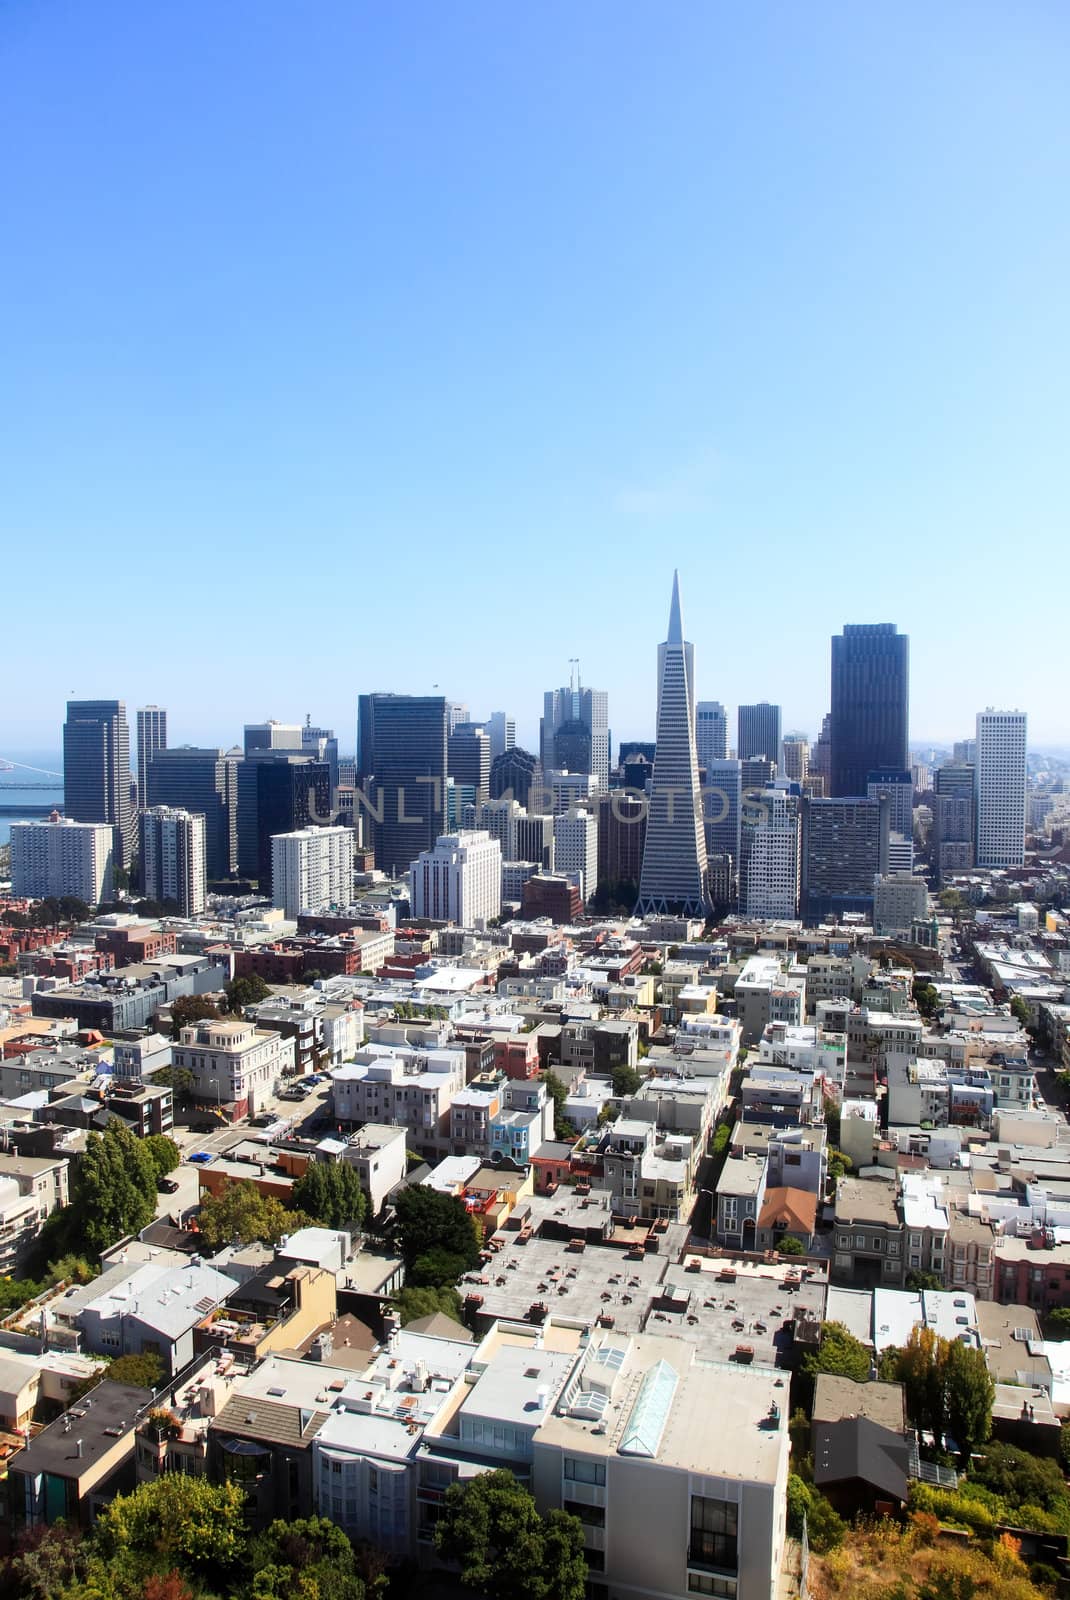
x=290 y=344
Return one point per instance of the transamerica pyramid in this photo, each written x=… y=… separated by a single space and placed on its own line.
x=673 y=878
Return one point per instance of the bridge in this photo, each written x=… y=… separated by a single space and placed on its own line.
x=28 y=811
x=35 y=787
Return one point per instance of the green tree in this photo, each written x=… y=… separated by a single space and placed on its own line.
x=491 y=1527
x=115 y=1192
x=436 y=1269
x=310 y=1557
x=189 y=1008
x=625 y=1080
x=245 y=991
x=920 y=1369
x=143 y=1368
x=970 y=1394
x=176 y=1522
x=240 y=1212
x=926 y=997
x=788 y=1245
x=825 y=1528
x=1022 y=1479
x=919 y=1280
x=178 y=1079
x=71 y=909
x=330 y=1193
x=840 y=1353
x=1057 y=1323
x=563 y=1128
x=1020 y=1011
x=415 y=1301
x=425 y=1220
x=164 y=1153
x=45 y=1562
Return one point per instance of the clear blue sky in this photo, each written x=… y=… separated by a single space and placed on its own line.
x=355 y=346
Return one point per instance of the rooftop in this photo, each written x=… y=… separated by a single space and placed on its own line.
x=76 y=1442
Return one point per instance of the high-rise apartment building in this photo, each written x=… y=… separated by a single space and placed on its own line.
x=758 y=732
x=151 y=736
x=844 y=850
x=999 y=788
x=406 y=737
x=711 y=732
x=574 y=732
x=459 y=880
x=576 y=848
x=673 y=878
x=63 y=857
x=205 y=782
x=499 y=819
x=870 y=694
x=500 y=729
x=96 y=769
x=312 y=869
x=898 y=788
x=769 y=868
x=173 y=857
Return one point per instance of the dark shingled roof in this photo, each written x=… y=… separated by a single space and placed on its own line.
x=858 y=1448
x=272 y=1423
x=94 y=1421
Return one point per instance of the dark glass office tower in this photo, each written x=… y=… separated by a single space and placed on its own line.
x=514 y=773
x=408 y=737
x=288 y=792
x=204 y=782
x=468 y=758
x=869 y=719
x=96 y=769
x=758 y=732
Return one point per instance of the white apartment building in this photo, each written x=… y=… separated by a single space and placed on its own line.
x=770 y=879
x=576 y=848
x=312 y=869
x=61 y=857
x=172 y=857
x=571 y=789
x=460 y=880
x=999 y=788
x=407 y=1088
x=235 y=1065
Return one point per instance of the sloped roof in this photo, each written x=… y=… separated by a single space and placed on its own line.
x=795 y=1208
x=858 y=1448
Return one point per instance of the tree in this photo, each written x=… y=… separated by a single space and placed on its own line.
x=187 y=1009
x=1021 y=1479
x=330 y=1193
x=245 y=991
x=414 y=1302
x=919 y=1368
x=115 y=1192
x=164 y=1153
x=918 y=1280
x=839 y=1353
x=240 y=1212
x=788 y=1245
x=491 y=1527
x=625 y=1080
x=563 y=1128
x=926 y=997
x=176 y=1522
x=425 y=1220
x=436 y=1269
x=178 y=1079
x=1020 y=1011
x=310 y=1556
x=144 y=1369
x=825 y=1528
x=46 y=1561
x=970 y=1394
x=1057 y=1323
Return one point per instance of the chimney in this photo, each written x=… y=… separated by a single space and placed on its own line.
x=78 y=1448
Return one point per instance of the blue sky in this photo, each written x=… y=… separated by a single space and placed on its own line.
x=352 y=346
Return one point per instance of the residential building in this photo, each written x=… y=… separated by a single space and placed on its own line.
x=154 y=1311
x=235 y=1065
x=766 y=994
x=203 y=782
x=65 y=1470
x=999 y=788
x=63 y=857
x=408 y=1087
x=758 y=733
x=953 y=819
x=377 y=1153
x=119 y=1001
x=711 y=732
x=845 y=848
x=151 y=736
x=673 y=877
x=769 y=862
x=173 y=858
x=576 y=849
x=96 y=770
x=899 y=901
x=552 y=895
x=459 y=880
x=312 y=869
x=870 y=705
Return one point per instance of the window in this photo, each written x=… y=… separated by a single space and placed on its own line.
x=860 y=1241
x=714 y=1527
x=578 y=1471
x=594 y=1516
x=699 y=1583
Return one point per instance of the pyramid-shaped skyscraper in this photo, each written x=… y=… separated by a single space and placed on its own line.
x=673 y=879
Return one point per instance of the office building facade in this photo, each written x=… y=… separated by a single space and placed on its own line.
x=406 y=738
x=1000 y=788
x=173 y=857
x=576 y=849
x=500 y=729
x=769 y=861
x=151 y=736
x=845 y=849
x=459 y=880
x=96 y=770
x=574 y=732
x=203 y=781
x=869 y=726
x=711 y=732
x=758 y=732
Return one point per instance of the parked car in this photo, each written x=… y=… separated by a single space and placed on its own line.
x=201 y=1157
x=167 y=1186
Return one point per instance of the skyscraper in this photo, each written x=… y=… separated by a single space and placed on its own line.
x=711 y=732
x=151 y=736
x=96 y=769
x=312 y=869
x=458 y=879
x=501 y=731
x=580 y=718
x=673 y=878
x=514 y=774
x=845 y=848
x=408 y=736
x=1000 y=784
x=869 y=717
x=796 y=757
x=323 y=744
x=172 y=858
x=468 y=757
x=769 y=869
x=204 y=781
x=758 y=732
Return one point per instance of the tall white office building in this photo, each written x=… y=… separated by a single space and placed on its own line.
x=151 y=736
x=999 y=788
x=459 y=880
x=673 y=877
x=568 y=790
x=711 y=732
x=576 y=848
x=61 y=857
x=173 y=857
x=574 y=732
x=769 y=877
x=312 y=869
x=501 y=731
